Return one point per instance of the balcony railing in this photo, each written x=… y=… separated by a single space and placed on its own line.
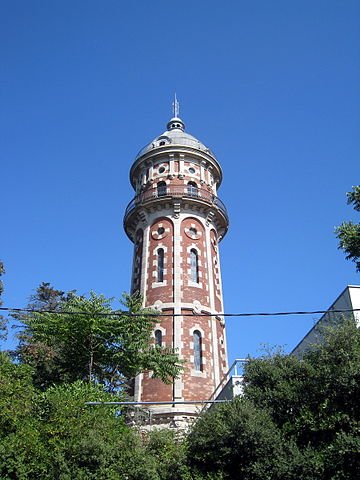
x=176 y=191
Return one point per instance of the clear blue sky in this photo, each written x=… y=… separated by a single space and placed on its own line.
x=271 y=86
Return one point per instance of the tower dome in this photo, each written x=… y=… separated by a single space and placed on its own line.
x=174 y=135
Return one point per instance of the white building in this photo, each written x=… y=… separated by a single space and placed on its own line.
x=347 y=305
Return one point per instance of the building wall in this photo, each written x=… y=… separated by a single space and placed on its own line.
x=176 y=216
x=179 y=294
x=347 y=300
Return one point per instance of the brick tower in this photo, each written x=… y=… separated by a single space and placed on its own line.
x=176 y=221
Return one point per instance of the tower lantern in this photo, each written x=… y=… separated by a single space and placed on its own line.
x=176 y=221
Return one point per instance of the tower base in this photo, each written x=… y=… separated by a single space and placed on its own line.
x=177 y=419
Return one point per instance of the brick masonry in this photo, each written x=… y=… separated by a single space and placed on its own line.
x=176 y=267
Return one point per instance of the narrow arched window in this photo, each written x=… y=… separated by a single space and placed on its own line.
x=197 y=351
x=160 y=265
x=158 y=338
x=192 y=189
x=194 y=266
x=161 y=189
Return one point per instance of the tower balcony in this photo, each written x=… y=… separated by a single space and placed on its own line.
x=199 y=197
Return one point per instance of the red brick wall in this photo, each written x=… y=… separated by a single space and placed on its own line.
x=160 y=291
x=216 y=271
x=196 y=241
x=154 y=389
x=197 y=385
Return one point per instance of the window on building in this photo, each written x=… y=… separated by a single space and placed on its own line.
x=160 y=265
x=161 y=189
x=193 y=232
x=194 y=266
x=197 y=351
x=192 y=189
x=158 y=338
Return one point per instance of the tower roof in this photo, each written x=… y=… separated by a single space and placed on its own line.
x=174 y=135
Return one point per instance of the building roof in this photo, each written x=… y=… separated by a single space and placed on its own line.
x=174 y=135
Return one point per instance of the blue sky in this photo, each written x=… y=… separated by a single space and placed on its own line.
x=271 y=87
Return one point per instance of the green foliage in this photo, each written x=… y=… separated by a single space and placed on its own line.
x=20 y=446
x=348 y=233
x=314 y=401
x=330 y=407
x=236 y=440
x=54 y=434
x=16 y=393
x=85 y=441
x=299 y=418
x=85 y=340
x=169 y=454
x=277 y=383
x=354 y=198
x=2 y=271
x=80 y=352
x=3 y=329
x=48 y=298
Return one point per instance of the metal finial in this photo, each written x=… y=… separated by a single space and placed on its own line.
x=176 y=107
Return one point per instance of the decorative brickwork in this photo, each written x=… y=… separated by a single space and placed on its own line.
x=193 y=240
x=176 y=221
x=154 y=389
x=161 y=237
x=137 y=263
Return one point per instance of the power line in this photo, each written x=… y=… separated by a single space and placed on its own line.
x=160 y=314
x=175 y=402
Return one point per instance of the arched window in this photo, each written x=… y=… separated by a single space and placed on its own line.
x=197 y=351
x=161 y=189
x=194 y=266
x=192 y=189
x=158 y=338
x=160 y=265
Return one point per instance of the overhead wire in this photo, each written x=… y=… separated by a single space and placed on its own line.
x=194 y=314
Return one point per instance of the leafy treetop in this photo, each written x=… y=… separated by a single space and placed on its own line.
x=84 y=339
x=348 y=233
x=2 y=319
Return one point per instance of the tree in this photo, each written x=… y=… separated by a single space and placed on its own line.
x=314 y=401
x=276 y=383
x=55 y=434
x=298 y=418
x=2 y=319
x=47 y=297
x=83 y=339
x=235 y=440
x=21 y=449
x=348 y=233
x=89 y=442
x=169 y=454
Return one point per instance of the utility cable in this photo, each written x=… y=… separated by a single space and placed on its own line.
x=160 y=314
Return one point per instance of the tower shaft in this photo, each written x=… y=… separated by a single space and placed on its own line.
x=176 y=221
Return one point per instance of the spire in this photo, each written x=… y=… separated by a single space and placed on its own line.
x=176 y=107
x=176 y=122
